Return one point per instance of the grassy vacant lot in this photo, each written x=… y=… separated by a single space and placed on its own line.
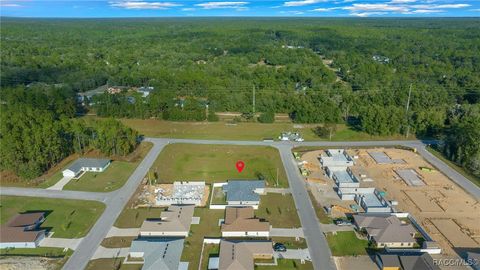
x=459 y=169
x=208 y=227
x=216 y=163
x=114 y=177
x=346 y=244
x=111 y=264
x=219 y=197
x=134 y=217
x=286 y=264
x=279 y=210
x=67 y=218
x=239 y=131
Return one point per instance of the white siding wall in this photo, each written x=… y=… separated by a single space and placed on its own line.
x=164 y=234
x=246 y=234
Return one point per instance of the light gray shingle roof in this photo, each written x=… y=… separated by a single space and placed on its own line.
x=159 y=253
x=243 y=190
x=88 y=162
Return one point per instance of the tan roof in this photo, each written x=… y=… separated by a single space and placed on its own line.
x=385 y=228
x=177 y=218
x=239 y=255
x=243 y=219
x=17 y=234
x=25 y=219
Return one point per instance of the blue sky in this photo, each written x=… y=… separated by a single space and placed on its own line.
x=294 y=8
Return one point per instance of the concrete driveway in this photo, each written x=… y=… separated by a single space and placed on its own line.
x=61 y=242
x=296 y=254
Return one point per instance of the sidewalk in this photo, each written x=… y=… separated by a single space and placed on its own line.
x=114 y=231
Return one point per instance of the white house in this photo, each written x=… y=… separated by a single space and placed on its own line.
x=82 y=165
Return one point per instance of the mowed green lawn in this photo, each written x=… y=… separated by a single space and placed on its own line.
x=239 y=131
x=346 y=244
x=279 y=210
x=286 y=264
x=216 y=163
x=112 y=178
x=67 y=218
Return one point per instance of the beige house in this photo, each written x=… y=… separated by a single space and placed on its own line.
x=175 y=221
x=240 y=255
x=241 y=222
x=386 y=230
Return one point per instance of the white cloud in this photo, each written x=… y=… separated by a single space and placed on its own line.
x=302 y=3
x=376 y=8
x=366 y=14
x=321 y=9
x=188 y=9
x=475 y=9
x=434 y=6
x=402 y=1
x=214 y=5
x=423 y=11
x=144 y=5
x=2 y=4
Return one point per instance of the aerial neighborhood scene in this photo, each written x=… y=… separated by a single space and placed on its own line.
x=240 y=135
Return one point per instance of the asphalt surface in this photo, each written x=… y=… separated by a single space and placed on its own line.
x=316 y=241
x=318 y=248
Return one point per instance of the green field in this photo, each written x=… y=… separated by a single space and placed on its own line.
x=111 y=264
x=118 y=241
x=279 y=210
x=39 y=251
x=346 y=244
x=290 y=242
x=239 y=131
x=216 y=163
x=208 y=227
x=67 y=218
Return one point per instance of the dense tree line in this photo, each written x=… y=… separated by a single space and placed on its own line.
x=386 y=76
x=37 y=131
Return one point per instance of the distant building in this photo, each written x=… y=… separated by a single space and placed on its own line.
x=182 y=193
x=22 y=231
x=244 y=192
x=336 y=158
x=241 y=222
x=145 y=91
x=406 y=262
x=386 y=230
x=156 y=253
x=342 y=176
x=175 y=221
x=240 y=255
x=82 y=165
x=373 y=202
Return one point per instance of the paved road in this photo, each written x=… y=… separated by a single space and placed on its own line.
x=316 y=241
x=56 y=194
x=115 y=205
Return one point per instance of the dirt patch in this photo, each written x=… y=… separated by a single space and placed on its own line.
x=31 y=263
x=454 y=233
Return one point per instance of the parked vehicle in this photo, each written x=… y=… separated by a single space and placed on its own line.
x=342 y=222
x=279 y=247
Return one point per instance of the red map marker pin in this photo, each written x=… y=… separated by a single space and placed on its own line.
x=240 y=165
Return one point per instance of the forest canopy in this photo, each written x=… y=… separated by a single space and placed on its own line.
x=381 y=76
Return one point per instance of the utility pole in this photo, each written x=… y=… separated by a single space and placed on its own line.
x=253 y=99
x=406 y=110
x=277 y=176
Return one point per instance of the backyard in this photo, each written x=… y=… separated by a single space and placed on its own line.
x=67 y=218
x=111 y=264
x=208 y=227
x=346 y=244
x=287 y=264
x=216 y=163
x=279 y=210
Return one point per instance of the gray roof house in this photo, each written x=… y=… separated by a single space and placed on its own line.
x=156 y=253
x=83 y=165
x=386 y=230
x=244 y=192
x=406 y=261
